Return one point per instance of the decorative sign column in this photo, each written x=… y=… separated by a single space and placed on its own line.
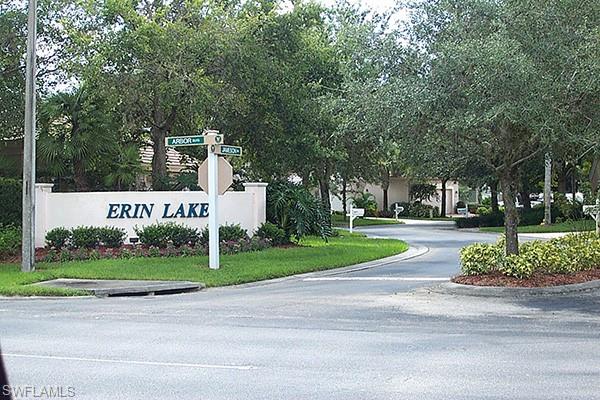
x=214 y=140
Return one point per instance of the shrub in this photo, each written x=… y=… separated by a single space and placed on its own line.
x=154 y=251
x=480 y=258
x=111 y=236
x=159 y=235
x=518 y=266
x=273 y=233
x=226 y=233
x=85 y=237
x=418 y=210
x=58 y=238
x=244 y=245
x=297 y=211
x=424 y=211
x=65 y=255
x=492 y=219
x=51 y=256
x=126 y=253
x=367 y=201
x=567 y=209
x=10 y=198
x=483 y=210
x=470 y=222
x=568 y=254
x=386 y=214
x=10 y=240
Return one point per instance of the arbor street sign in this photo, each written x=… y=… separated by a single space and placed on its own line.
x=196 y=140
x=225 y=178
x=227 y=150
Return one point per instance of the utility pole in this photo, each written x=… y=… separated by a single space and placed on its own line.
x=547 y=190
x=28 y=241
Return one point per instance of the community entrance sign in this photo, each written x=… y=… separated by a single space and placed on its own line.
x=214 y=186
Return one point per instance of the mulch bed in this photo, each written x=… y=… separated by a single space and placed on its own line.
x=536 y=280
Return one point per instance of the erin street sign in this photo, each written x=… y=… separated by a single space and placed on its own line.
x=197 y=140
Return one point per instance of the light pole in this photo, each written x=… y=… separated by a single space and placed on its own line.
x=28 y=242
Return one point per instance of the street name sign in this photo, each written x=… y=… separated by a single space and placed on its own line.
x=196 y=140
x=227 y=150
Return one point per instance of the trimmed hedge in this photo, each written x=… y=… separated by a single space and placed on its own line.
x=417 y=210
x=568 y=254
x=88 y=237
x=227 y=233
x=11 y=199
x=534 y=216
x=159 y=235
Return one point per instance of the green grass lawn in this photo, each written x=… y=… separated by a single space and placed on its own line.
x=339 y=221
x=313 y=255
x=568 y=226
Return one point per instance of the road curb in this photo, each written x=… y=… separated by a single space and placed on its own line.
x=412 y=252
x=511 y=292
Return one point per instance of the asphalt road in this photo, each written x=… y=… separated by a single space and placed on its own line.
x=371 y=334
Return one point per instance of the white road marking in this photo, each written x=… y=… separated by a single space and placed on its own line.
x=375 y=278
x=114 y=361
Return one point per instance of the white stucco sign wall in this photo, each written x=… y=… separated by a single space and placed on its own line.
x=130 y=209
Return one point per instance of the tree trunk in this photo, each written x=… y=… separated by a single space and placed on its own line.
x=547 y=190
x=81 y=183
x=385 y=185
x=525 y=200
x=443 y=205
x=595 y=175
x=562 y=176
x=159 y=159
x=511 y=216
x=494 y=194
x=344 y=197
x=324 y=189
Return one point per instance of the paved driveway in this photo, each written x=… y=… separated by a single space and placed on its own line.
x=372 y=334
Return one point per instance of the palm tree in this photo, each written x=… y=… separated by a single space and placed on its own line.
x=126 y=169
x=75 y=130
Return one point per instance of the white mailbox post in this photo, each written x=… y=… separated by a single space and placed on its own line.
x=594 y=212
x=355 y=213
x=397 y=210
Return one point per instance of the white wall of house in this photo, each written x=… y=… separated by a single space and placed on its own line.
x=398 y=191
x=118 y=209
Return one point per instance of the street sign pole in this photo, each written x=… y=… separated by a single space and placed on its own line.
x=213 y=206
x=351 y=217
x=214 y=140
x=28 y=239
